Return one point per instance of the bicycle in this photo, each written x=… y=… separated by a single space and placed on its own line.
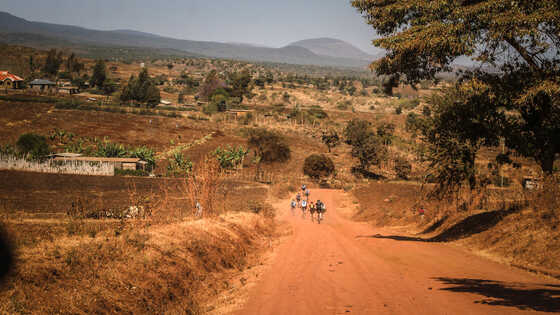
x=319 y=217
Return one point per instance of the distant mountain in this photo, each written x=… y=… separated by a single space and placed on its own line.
x=132 y=32
x=27 y=33
x=335 y=48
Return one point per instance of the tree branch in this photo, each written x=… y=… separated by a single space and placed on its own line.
x=524 y=53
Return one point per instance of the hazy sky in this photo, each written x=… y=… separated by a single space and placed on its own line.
x=266 y=22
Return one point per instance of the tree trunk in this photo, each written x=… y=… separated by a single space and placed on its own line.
x=546 y=162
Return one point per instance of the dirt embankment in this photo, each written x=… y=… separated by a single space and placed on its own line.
x=137 y=268
x=504 y=232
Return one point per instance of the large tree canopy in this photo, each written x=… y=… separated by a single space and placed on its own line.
x=423 y=37
x=516 y=43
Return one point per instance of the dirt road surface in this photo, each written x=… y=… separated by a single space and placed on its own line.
x=345 y=267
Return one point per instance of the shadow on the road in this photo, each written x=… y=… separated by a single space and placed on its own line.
x=396 y=238
x=543 y=299
x=469 y=226
x=434 y=226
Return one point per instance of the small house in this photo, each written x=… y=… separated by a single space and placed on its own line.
x=71 y=90
x=530 y=183
x=42 y=85
x=10 y=81
x=119 y=163
x=238 y=113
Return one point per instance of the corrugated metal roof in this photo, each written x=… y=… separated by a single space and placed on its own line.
x=41 y=82
x=67 y=154
x=97 y=159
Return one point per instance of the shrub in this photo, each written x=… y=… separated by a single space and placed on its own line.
x=179 y=166
x=269 y=146
x=343 y=105
x=426 y=111
x=317 y=112
x=33 y=146
x=230 y=157
x=369 y=151
x=398 y=110
x=330 y=138
x=356 y=131
x=317 y=166
x=402 y=167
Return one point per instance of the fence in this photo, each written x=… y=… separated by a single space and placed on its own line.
x=58 y=167
x=252 y=175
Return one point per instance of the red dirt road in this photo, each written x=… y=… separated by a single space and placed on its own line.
x=344 y=267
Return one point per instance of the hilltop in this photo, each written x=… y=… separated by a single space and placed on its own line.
x=335 y=48
x=19 y=31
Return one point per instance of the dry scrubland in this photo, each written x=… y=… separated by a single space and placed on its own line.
x=170 y=262
x=513 y=226
x=165 y=263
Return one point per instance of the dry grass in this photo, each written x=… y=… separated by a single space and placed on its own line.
x=515 y=226
x=130 y=267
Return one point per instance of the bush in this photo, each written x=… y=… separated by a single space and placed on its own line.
x=356 y=131
x=179 y=166
x=398 y=110
x=317 y=166
x=403 y=168
x=269 y=146
x=33 y=146
x=317 y=112
x=344 y=105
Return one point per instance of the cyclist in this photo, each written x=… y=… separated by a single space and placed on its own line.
x=311 y=210
x=321 y=209
x=298 y=198
x=306 y=193
x=303 y=208
x=303 y=187
x=293 y=206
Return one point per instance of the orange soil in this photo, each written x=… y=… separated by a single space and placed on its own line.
x=341 y=266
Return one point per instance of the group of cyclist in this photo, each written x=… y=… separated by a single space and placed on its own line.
x=317 y=206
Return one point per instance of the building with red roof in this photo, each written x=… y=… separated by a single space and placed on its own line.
x=10 y=81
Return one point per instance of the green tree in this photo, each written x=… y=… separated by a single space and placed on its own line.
x=520 y=38
x=369 y=151
x=452 y=147
x=240 y=84
x=142 y=89
x=109 y=87
x=330 y=138
x=33 y=146
x=99 y=74
x=211 y=83
x=385 y=133
x=53 y=62
x=73 y=65
x=356 y=131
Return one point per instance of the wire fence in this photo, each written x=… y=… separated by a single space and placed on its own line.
x=252 y=175
x=96 y=168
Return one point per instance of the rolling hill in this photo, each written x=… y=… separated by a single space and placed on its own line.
x=335 y=48
x=16 y=30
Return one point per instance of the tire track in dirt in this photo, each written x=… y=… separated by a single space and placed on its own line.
x=341 y=267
